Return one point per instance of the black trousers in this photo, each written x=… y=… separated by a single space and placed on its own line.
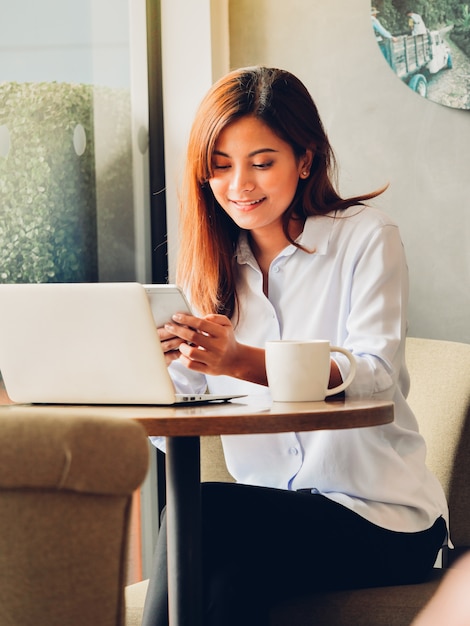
x=263 y=545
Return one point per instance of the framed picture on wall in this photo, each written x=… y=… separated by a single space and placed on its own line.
x=427 y=45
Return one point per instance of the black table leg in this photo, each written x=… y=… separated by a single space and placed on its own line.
x=184 y=531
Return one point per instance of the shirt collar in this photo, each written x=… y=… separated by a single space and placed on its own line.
x=317 y=232
x=315 y=236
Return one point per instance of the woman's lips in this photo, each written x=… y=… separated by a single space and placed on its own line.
x=247 y=205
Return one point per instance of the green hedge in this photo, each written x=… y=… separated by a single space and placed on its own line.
x=47 y=191
x=48 y=204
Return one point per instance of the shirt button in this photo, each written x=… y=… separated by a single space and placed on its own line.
x=293 y=451
x=276 y=269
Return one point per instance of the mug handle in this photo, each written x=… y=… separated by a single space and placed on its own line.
x=351 y=375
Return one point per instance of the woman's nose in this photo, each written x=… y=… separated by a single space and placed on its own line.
x=241 y=180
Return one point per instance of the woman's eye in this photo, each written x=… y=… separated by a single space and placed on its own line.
x=220 y=166
x=263 y=166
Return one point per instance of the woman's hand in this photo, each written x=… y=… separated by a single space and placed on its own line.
x=208 y=345
x=205 y=345
x=170 y=344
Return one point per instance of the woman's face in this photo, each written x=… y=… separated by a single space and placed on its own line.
x=255 y=174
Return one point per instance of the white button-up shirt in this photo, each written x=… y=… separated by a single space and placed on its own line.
x=351 y=289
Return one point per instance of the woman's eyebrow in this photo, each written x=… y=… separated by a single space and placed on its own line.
x=251 y=154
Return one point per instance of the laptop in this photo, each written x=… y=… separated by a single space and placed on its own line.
x=84 y=343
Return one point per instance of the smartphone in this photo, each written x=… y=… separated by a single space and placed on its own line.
x=165 y=301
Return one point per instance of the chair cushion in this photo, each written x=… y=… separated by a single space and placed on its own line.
x=135 y=598
x=440 y=398
x=380 y=606
x=213 y=466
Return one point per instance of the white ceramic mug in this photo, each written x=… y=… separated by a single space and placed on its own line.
x=299 y=371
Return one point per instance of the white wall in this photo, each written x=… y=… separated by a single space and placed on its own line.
x=382 y=132
x=187 y=74
x=195 y=52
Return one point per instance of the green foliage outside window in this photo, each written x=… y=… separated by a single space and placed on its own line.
x=47 y=191
x=461 y=32
x=66 y=192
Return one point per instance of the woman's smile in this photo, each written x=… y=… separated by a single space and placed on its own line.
x=246 y=205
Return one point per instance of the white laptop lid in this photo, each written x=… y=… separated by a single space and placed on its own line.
x=82 y=344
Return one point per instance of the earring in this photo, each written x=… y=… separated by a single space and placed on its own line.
x=305 y=174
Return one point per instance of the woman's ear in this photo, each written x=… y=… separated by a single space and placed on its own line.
x=305 y=163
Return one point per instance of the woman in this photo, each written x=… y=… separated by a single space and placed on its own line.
x=270 y=250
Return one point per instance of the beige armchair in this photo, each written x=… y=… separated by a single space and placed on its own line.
x=66 y=486
x=440 y=398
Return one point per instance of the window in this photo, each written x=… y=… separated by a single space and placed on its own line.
x=74 y=158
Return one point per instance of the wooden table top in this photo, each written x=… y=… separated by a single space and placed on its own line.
x=253 y=414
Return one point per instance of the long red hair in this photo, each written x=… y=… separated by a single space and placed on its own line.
x=208 y=237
